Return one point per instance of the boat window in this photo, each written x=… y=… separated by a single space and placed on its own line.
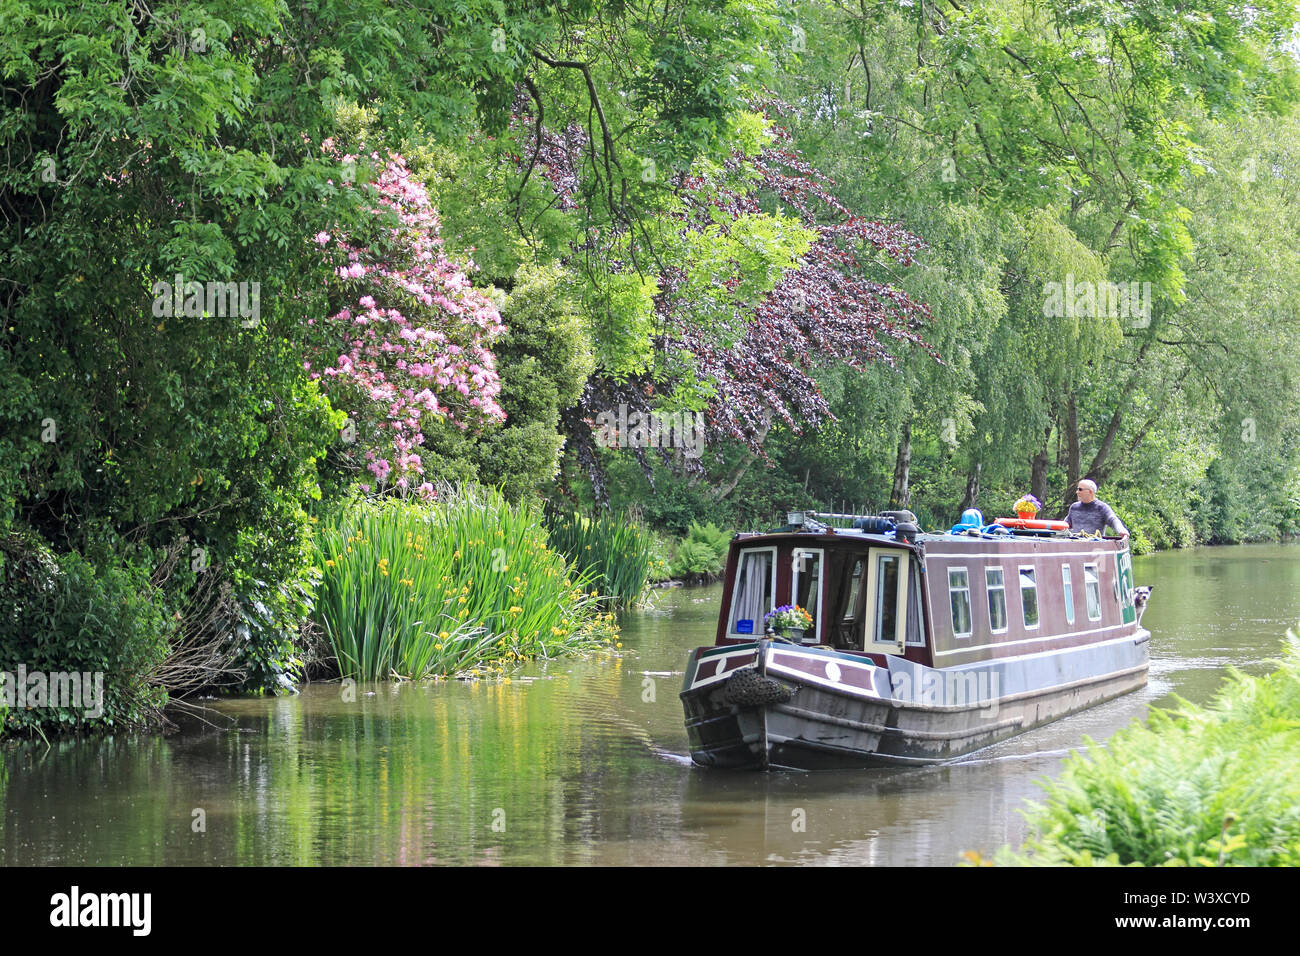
x=959 y=599
x=915 y=613
x=754 y=591
x=1069 y=594
x=1092 y=587
x=888 y=568
x=855 y=585
x=807 y=570
x=997 y=599
x=1029 y=597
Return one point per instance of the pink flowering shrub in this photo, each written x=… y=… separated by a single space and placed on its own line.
x=408 y=336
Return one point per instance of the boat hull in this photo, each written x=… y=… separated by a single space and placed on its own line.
x=770 y=706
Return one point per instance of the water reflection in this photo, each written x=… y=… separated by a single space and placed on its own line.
x=582 y=762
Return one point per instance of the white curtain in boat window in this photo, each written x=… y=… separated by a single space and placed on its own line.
x=754 y=594
x=1069 y=594
x=1092 y=590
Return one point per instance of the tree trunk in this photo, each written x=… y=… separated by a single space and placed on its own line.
x=1073 y=456
x=972 y=488
x=901 y=495
x=1099 y=467
x=729 y=485
x=1038 y=468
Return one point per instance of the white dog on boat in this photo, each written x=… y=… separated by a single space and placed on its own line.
x=1140 y=597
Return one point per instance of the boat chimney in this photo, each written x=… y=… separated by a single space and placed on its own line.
x=906 y=527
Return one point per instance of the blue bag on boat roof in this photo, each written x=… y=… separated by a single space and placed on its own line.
x=971 y=520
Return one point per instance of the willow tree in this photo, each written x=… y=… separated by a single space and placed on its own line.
x=1079 y=111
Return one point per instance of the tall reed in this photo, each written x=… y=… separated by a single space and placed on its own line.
x=617 y=550
x=416 y=590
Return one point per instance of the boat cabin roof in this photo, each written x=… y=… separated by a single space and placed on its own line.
x=922 y=540
x=956 y=599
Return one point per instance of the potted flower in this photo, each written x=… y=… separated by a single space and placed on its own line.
x=1027 y=506
x=789 y=620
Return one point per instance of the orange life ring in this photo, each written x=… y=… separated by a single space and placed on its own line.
x=1033 y=524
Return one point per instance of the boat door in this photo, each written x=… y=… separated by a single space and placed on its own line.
x=886 y=600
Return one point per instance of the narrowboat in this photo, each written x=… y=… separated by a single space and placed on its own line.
x=919 y=647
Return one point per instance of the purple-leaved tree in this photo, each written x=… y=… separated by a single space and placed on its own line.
x=828 y=310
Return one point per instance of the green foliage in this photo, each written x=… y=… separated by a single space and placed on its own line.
x=546 y=352
x=735 y=263
x=691 y=79
x=620 y=307
x=703 y=552
x=1028 y=143
x=661 y=553
x=615 y=549
x=1211 y=786
x=718 y=540
x=192 y=142
x=58 y=613
x=1156 y=521
x=266 y=629
x=466 y=584
x=695 y=559
x=543 y=358
x=473 y=191
x=672 y=504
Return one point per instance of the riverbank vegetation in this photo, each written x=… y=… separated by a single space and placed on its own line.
x=703 y=262
x=82 y=621
x=614 y=550
x=702 y=554
x=1194 y=786
x=465 y=584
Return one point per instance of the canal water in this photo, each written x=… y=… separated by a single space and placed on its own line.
x=585 y=761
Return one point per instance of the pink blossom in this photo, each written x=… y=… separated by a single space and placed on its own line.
x=404 y=364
